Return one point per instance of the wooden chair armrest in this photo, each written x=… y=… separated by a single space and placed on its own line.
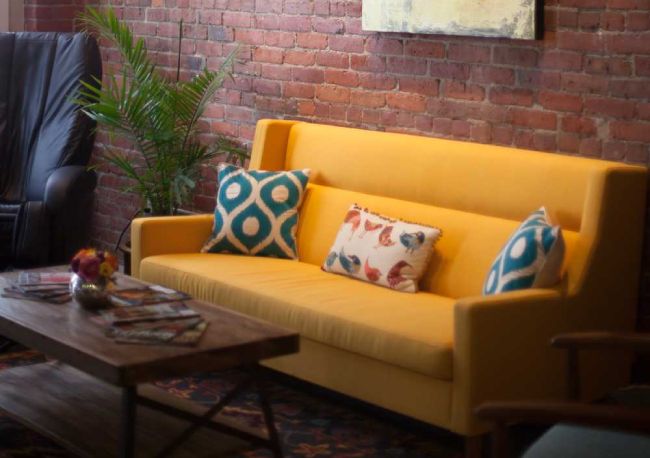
x=549 y=412
x=603 y=340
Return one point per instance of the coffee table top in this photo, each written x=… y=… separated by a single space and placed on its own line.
x=65 y=332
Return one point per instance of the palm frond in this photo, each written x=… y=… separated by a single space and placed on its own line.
x=159 y=116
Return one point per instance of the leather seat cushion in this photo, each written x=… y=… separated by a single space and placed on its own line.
x=413 y=331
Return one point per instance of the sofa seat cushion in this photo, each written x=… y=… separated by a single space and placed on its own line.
x=415 y=333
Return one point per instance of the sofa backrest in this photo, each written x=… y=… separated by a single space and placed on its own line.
x=40 y=129
x=500 y=186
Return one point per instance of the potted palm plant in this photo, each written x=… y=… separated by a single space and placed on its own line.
x=159 y=115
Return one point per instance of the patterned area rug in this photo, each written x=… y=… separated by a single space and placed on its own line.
x=312 y=424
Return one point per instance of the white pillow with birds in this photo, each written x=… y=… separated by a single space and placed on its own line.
x=531 y=258
x=257 y=212
x=381 y=250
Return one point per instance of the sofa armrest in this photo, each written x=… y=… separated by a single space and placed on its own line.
x=67 y=186
x=167 y=235
x=502 y=351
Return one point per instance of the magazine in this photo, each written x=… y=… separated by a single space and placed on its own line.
x=29 y=278
x=49 y=287
x=58 y=296
x=147 y=295
x=146 y=313
x=191 y=336
x=163 y=331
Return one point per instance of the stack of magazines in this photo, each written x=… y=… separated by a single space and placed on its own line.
x=51 y=287
x=151 y=315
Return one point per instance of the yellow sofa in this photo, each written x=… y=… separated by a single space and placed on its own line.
x=437 y=354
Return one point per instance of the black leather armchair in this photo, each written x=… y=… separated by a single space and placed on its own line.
x=46 y=190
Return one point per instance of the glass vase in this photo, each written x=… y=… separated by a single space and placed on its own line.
x=91 y=295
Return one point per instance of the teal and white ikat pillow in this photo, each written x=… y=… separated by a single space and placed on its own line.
x=257 y=212
x=532 y=257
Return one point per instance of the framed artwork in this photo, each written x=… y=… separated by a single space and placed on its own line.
x=486 y=18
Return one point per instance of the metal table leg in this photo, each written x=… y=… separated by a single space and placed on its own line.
x=274 y=438
x=127 y=424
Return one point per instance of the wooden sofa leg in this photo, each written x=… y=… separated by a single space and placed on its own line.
x=474 y=446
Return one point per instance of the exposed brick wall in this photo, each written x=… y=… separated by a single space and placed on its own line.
x=51 y=15
x=584 y=89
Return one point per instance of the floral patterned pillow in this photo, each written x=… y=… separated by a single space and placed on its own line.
x=381 y=250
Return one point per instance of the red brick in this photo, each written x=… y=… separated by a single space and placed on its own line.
x=460 y=128
x=579 y=125
x=642 y=66
x=299 y=90
x=637 y=43
x=608 y=65
x=590 y=147
x=298 y=7
x=377 y=45
x=568 y=18
x=276 y=72
x=271 y=55
x=312 y=40
x=629 y=4
x=424 y=86
x=237 y=19
x=279 y=39
x=511 y=96
x=295 y=57
x=584 y=3
x=633 y=88
x=589 y=20
x=481 y=132
x=424 y=49
x=306 y=108
x=368 y=99
x=533 y=118
x=308 y=75
x=333 y=59
x=569 y=143
x=522 y=57
x=536 y=79
x=333 y=94
x=423 y=123
x=327 y=25
x=561 y=60
x=469 y=53
x=367 y=63
x=449 y=70
x=605 y=106
x=584 y=83
x=268 y=6
x=266 y=87
x=502 y=135
x=638 y=21
x=408 y=102
x=629 y=130
x=460 y=90
x=441 y=126
x=580 y=41
x=644 y=111
x=377 y=81
x=613 y=21
x=560 y=101
x=487 y=75
x=345 y=43
x=342 y=77
x=405 y=65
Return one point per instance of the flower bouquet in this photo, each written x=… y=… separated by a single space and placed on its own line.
x=93 y=277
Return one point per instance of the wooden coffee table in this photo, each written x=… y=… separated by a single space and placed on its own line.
x=86 y=398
